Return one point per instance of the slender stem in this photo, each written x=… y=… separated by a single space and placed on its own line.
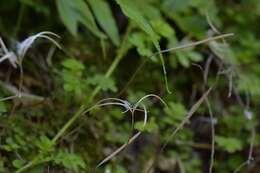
x=194 y=43
x=68 y=124
x=20 y=18
x=123 y=49
x=108 y=74
x=30 y=164
x=120 y=55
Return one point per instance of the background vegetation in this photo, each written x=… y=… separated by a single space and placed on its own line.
x=106 y=48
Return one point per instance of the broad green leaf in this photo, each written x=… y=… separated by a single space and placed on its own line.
x=130 y=9
x=105 y=19
x=155 y=18
x=201 y=5
x=69 y=160
x=38 y=6
x=194 y=25
x=183 y=59
x=17 y=163
x=176 y=111
x=139 y=40
x=150 y=126
x=149 y=11
x=73 y=65
x=194 y=56
x=73 y=12
x=102 y=81
x=249 y=82
x=45 y=144
x=68 y=16
x=163 y=28
x=229 y=143
x=171 y=7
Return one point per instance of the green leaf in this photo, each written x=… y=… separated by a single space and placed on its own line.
x=3 y=107
x=130 y=9
x=171 y=7
x=72 y=12
x=105 y=19
x=38 y=6
x=68 y=16
x=72 y=82
x=120 y=169
x=68 y=160
x=163 y=28
x=183 y=59
x=229 y=143
x=102 y=81
x=45 y=144
x=73 y=65
x=17 y=163
x=223 y=51
x=194 y=56
x=139 y=40
x=249 y=82
x=150 y=126
x=176 y=111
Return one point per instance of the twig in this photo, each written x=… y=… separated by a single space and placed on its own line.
x=119 y=149
x=194 y=44
x=250 y=153
x=17 y=93
x=212 y=155
x=205 y=77
x=172 y=50
x=189 y=115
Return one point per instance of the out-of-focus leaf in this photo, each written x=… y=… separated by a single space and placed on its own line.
x=229 y=143
x=67 y=15
x=69 y=160
x=195 y=25
x=73 y=12
x=223 y=51
x=39 y=6
x=130 y=9
x=194 y=56
x=105 y=19
x=73 y=65
x=17 y=163
x=139 y=41
x=45 y=144
x=163 y=28
x=183 y=59
x=102 y=81
x=249 y=82
x=176 y=111
x=171 y=7
x=150 y=126
x=2 y=107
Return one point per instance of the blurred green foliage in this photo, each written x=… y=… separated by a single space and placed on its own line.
x=103 y=44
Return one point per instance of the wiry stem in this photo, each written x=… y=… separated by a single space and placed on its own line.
x=83 y=108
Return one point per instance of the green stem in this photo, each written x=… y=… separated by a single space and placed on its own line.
x=123 y=49
x=108 y=73
x=27 y=166
x=121 y=52
x=19 y=20
x=68 y=124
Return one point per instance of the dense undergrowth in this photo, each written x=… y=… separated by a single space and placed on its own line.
x=114 y=49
